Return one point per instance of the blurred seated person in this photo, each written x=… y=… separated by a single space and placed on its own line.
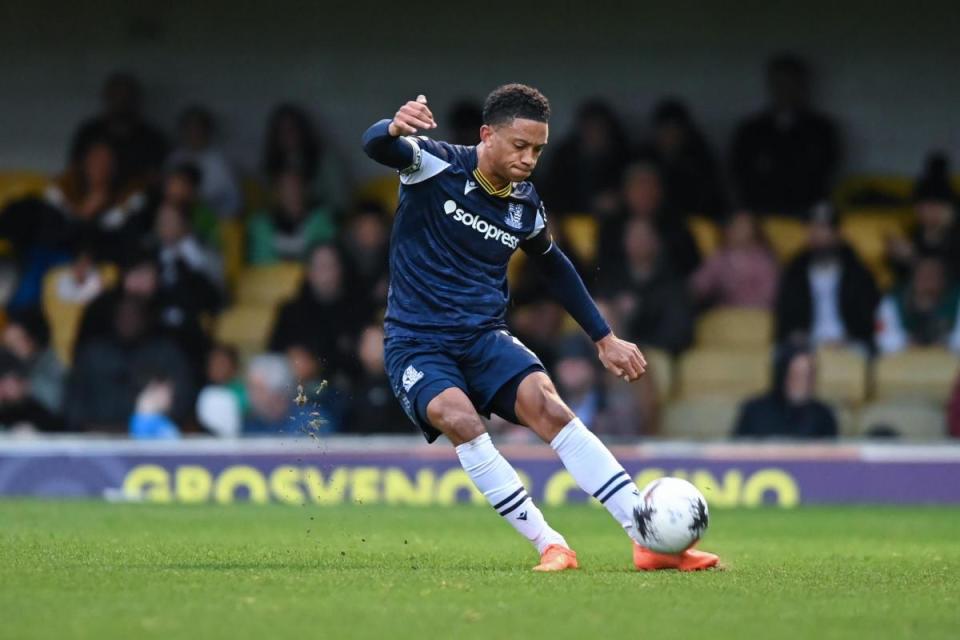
x=691 y=175
x=82 y=282
x=219 y=187
x=19 y=409
x=651 y=303
x=322 y=319
x=110 y=371
x=937 y=231
x=141 y=146
x=921 y=313
x=537 y=322
x=27 y=336
x=585 y=171
x=790 y=409
x=222 y=401
x=365 y=243
x=292 y=227
x=271 y=388
x=605 y=403
x=786 y=157
x=826 y=295
x=181 y=188
x=743 y=272
x=643 y=198
x=151 y=413
x=372 y=407
x=293 y=144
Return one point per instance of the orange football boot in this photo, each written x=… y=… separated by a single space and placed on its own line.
x=689 y=560
x=557 y=557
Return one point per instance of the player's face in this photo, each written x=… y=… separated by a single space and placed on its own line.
x=516 y=147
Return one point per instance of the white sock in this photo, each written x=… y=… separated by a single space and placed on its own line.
x=597 y=472
x=501 y=485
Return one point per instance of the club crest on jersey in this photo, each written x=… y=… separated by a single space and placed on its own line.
x=514 y=217
x=411 y=377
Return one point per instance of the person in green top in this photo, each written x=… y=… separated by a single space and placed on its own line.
x=291 y=228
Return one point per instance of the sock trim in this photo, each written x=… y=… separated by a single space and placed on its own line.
x=596 y=494
x=617 y=488
x=508 y=498
x=513 y=508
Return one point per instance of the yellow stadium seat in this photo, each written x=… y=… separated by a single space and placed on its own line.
x=847 y=424
x=853 y=189
x=912 y=420
x=269 y=285
x=734 y=327
x=384 y=190
x=20 y=184
x=841 y=376
x=708 y=417
x=660 y=367
x=736 y=373
x=926 y=374
x=247 y=328
x=787 y=236
x=580 y=233
x=64 y=317
x=233 y=237
x=705 y=233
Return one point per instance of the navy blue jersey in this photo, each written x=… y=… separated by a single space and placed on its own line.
x=452 y=239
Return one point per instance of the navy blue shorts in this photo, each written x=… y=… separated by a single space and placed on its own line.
x=487 y=368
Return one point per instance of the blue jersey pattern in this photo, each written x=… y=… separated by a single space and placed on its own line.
x=451 y=243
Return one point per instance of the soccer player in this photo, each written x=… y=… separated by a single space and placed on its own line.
x=463 y=212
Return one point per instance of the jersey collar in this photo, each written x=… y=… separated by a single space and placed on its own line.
x=485 y=184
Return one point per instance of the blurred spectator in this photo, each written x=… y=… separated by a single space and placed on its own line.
x=141 y=147
x=322 y=320
x=937 y=232
x=372 y=407
x=652 y=303
x=921 y=313
x=538 y=323
x=19 y=410
x=691 y=176
x=826 y=294
x=223 y=401
x=272 y=389
x=786 y=157
x=585 y=171
x=643 y=198
x=112 y=370
x=292 y=228
x=150 y=419
x=27 y=336
x=186 y=265
x=605 y=403
x=789 y=409
x=219 y=187
x=82 y=282
x=293 y=145
x=181 y=188
x=366 y=243
x=743 y=272
x=465 y=119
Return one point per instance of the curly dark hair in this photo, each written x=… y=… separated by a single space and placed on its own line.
x=515 y=100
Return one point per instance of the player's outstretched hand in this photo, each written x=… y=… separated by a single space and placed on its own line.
x=412 y=117
x=622 y=358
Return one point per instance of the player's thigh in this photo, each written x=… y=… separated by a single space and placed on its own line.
x=539 y=406
x=453 y=413
x=494 y=366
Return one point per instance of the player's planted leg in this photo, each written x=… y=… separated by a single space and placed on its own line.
x=452 y=413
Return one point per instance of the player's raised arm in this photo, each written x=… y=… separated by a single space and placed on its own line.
x=621 y=357
x=383 y=142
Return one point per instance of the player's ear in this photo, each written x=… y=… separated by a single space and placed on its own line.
x=486 y=132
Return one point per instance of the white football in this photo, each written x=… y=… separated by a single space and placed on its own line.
x=671 y=516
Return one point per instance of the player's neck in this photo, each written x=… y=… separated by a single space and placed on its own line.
x=484 y=166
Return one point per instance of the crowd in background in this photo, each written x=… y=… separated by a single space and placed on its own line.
x=144 y=360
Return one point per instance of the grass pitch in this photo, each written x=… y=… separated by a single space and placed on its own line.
x=95 y=570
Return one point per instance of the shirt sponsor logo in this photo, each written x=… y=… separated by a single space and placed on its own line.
x=481 y=226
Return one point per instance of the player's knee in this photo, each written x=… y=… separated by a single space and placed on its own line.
x=541 y=408
x=458 y=421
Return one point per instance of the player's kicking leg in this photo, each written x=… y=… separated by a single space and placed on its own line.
x=452 y=413
x=593 y=467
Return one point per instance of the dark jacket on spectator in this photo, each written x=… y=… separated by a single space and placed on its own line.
x=373 y=409
x=678 y=245
x=857 y=290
